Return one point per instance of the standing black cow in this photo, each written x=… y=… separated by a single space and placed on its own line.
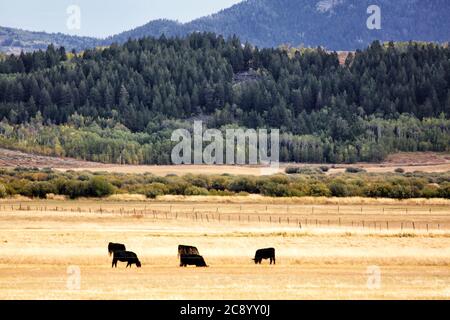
x=182 y=249
x=261 y=254
x=192 y=260
x=125 y=256
x=113 y=247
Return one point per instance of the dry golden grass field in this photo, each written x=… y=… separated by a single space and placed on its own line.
x=329 y=250
x=409 y=161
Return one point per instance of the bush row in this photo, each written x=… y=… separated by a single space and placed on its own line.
x=39 y=183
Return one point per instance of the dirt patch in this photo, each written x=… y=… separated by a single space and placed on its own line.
x=11 y=158
x=418 y=158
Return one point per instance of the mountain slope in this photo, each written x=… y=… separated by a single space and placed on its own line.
x=335 y=24
x=16 y=40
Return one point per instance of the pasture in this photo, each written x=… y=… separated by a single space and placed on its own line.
x=42 y=242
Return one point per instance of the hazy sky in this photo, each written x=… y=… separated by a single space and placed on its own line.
x=101 y=18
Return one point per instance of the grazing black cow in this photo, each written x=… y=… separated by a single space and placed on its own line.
x=187 y=250
x=125 y=256
x=113 y=247
x=261 y=254
x=192 y=260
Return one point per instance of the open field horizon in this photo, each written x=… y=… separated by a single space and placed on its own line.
x=314 y=261
x=409 y=161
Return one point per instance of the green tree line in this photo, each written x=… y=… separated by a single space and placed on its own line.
x=386 y=98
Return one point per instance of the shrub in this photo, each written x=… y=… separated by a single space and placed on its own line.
x=319 y=190
x=74 y=189
x=354 y=170
x=214 y=192
x=100 y=187
x=444 y=191
x=41 y=189
x=324 y=168
x=399 y=170
x=219 y=183
x=22 y=187
x=272 y=189
x=430 y=191
x=338 y=188
x=303 y=170
x=247 y=184
x=84 y=177
x=155 y=189
x=196 y=191
x=3 y=192
x=291 y=170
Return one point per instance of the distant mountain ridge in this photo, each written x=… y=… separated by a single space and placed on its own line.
x=334 y=24
x=15 y=40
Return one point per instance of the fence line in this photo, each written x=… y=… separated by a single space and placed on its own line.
x=299 y=220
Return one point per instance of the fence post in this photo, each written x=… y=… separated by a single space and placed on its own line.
x=414 y=226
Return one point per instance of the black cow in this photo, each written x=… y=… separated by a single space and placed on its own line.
x=125 y=256
x=192 y=260
x=113 y=247
x=187 y=250
x=261 y=254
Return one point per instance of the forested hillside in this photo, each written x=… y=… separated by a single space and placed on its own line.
x=13 y=41
x=120 y=104
x=334 y=24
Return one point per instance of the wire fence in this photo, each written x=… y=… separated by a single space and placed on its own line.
x=302 y=217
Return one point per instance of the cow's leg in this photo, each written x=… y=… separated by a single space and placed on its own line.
x=114 y=263
x=274 y=260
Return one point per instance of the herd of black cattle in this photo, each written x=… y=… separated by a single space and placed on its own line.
x=188 y=255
